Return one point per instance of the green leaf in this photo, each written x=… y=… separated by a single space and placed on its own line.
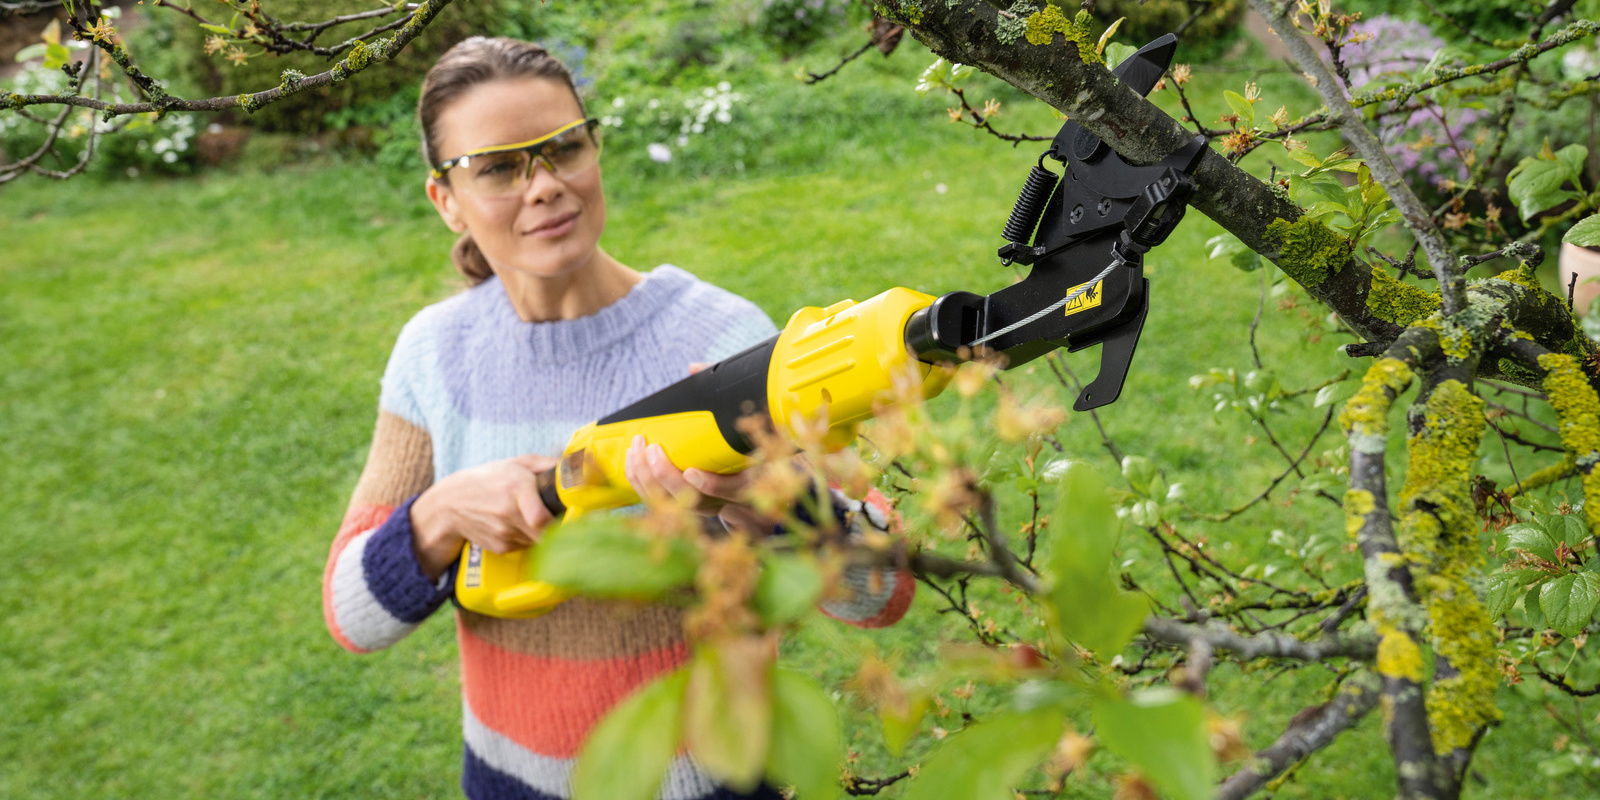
x=627 y=754
x=216 y=29
x=56 y=55
x=1569 y=528
x=598 y=555
x=1162 y=732
x=1571 y=159
x=1569 y=601
x=807 y=746
x=1244 y=108
x=788 y=587
x=1090 y=608
x=987 y=759
x=31 y=52
x=1139 y=472
x=1531 y=538
x=1535 y=185
x=1530 y=606
x=936 y=76
x=1116 y=52
x=1584 y=234
x=898 y=729
x=1505 y=587
x=1226 y=245
x=728 y=713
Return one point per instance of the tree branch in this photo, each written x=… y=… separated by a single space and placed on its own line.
x=1309 y=731
x=1261 y=645
x=359 y=58
x=1441 y=256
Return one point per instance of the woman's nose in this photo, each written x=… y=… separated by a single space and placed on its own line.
x=543 y=185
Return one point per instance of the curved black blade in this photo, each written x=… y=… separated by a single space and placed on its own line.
x=1144 y=68
x=1141 y=72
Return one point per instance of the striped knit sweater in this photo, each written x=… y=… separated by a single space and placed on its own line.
x=469 y=382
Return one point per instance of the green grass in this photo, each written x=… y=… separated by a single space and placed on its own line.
x=188 y=379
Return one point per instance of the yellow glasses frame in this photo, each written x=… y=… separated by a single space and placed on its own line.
x=534 y=146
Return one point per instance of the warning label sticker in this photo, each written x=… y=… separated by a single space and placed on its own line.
x=474 y=577
x=1085 y=301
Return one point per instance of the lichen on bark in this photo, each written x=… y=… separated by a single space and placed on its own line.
x=1399 y=302
x=1438 y=534
x=1578 y=416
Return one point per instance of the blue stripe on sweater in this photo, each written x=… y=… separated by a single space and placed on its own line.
x=393 y=575
x=479 y=781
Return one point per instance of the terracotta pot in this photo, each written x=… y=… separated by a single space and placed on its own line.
x=1586 y=263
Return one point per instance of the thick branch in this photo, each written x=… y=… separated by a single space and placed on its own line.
x=1392 y=604
x=965 y=32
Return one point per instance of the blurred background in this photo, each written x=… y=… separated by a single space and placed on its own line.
x=192 y=332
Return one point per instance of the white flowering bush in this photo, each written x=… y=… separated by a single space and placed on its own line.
x=673 y=125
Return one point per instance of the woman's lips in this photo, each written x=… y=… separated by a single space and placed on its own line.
x=560 y=226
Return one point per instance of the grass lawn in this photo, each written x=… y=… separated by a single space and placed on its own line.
x=189 y=375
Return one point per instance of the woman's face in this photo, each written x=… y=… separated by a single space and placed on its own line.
x=553 y=227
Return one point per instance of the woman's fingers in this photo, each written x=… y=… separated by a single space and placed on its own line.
x=729 y=488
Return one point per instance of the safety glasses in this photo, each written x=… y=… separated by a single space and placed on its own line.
x=505 y=170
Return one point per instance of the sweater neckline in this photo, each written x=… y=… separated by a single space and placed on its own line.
x=566 y=340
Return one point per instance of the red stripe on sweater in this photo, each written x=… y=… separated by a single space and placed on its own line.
x=358 y=520
x=548 y=705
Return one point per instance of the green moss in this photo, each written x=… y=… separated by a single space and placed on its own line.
x=1438 y=527
x=1397 y=301
x=1308 y=250
x=1043 y=25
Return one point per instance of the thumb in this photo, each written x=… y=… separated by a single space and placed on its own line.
x=535 y=462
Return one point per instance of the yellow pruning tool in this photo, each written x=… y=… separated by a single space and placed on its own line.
x=1083 y=233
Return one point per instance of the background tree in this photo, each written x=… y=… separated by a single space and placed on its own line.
x=1459 y=585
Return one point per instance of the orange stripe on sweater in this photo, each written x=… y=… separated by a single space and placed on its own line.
x=358 y=520
x=548 y=705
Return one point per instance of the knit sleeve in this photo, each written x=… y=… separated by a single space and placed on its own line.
x=869 y=597
x=374 y=591
x=741 y=325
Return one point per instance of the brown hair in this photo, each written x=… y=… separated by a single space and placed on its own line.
x=476 y=60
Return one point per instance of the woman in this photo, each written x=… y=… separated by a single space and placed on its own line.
x=484 y=388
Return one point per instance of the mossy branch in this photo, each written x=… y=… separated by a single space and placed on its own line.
x=1392 y=606
x=361 y=56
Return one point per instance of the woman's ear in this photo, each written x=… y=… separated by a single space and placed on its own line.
x=444 y=201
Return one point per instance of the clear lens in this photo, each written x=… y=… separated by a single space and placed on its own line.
x=494 y=174
x=508 y=172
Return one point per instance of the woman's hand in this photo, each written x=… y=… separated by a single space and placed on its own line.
x=495 y=506
x=653 y=475
x=656 y=480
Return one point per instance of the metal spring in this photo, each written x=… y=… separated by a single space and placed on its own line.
x=1025 y=215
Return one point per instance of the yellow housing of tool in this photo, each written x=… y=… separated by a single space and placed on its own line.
x=837 y=361
x=843 y=359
